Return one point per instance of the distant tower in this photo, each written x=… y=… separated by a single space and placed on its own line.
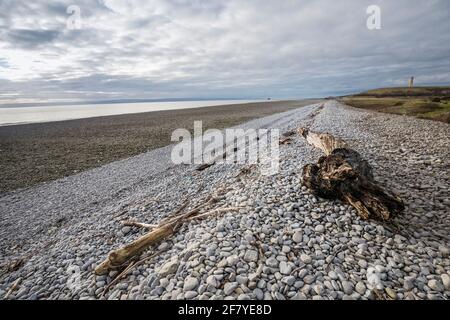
x=411 y=82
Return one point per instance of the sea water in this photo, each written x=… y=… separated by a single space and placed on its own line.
x=27 y=114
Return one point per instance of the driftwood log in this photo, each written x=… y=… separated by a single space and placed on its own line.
x=120 y=257
x=343 y=174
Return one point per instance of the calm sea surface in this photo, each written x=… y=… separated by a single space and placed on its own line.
x=21 y=115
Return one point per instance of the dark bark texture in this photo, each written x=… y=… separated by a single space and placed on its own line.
x=343 y=174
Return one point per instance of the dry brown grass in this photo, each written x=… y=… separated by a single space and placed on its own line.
x=428 y=102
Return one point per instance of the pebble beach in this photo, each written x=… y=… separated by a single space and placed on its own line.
x=283 y=243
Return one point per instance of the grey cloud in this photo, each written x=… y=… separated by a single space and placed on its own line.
x=170 y=48
x=31 y=39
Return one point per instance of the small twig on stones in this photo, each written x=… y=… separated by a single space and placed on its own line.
x=204 y=166
x=285 y=140
x=132 y=265
x=178 y=211
x=258 y=244
x=378 y=294
x=13 y=287
x=333 y=256
x=132 y=223
x=121 y=213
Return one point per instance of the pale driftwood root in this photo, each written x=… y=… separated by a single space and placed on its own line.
x=343 y=174
x=323 y=141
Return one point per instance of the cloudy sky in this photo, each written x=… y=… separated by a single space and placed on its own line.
x=217 y=48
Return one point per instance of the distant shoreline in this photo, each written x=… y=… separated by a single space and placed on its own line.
x=39 y=152
x=53 y=113
x=116 y=101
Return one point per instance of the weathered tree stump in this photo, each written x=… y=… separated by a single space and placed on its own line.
x=343 y=174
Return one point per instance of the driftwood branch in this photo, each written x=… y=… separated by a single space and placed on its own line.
x=204 y=166
x=132 y=223
x=285 y=140
x=343 y=174
x=119 y=257
x=123 y=255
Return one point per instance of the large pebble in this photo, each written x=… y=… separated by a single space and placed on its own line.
x=285 y=268
x=436 y=285
x=168 y=268
x=297 y=237
x=445 y=281
x=347 y=287
x=251 y=256
x=230 y=287
x=212 y=281
x=272 y=262
x=190 y=283
x=319 y=228
x=305 y=258
x=360 y=288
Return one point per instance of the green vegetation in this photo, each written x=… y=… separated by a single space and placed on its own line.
x=422 y=102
